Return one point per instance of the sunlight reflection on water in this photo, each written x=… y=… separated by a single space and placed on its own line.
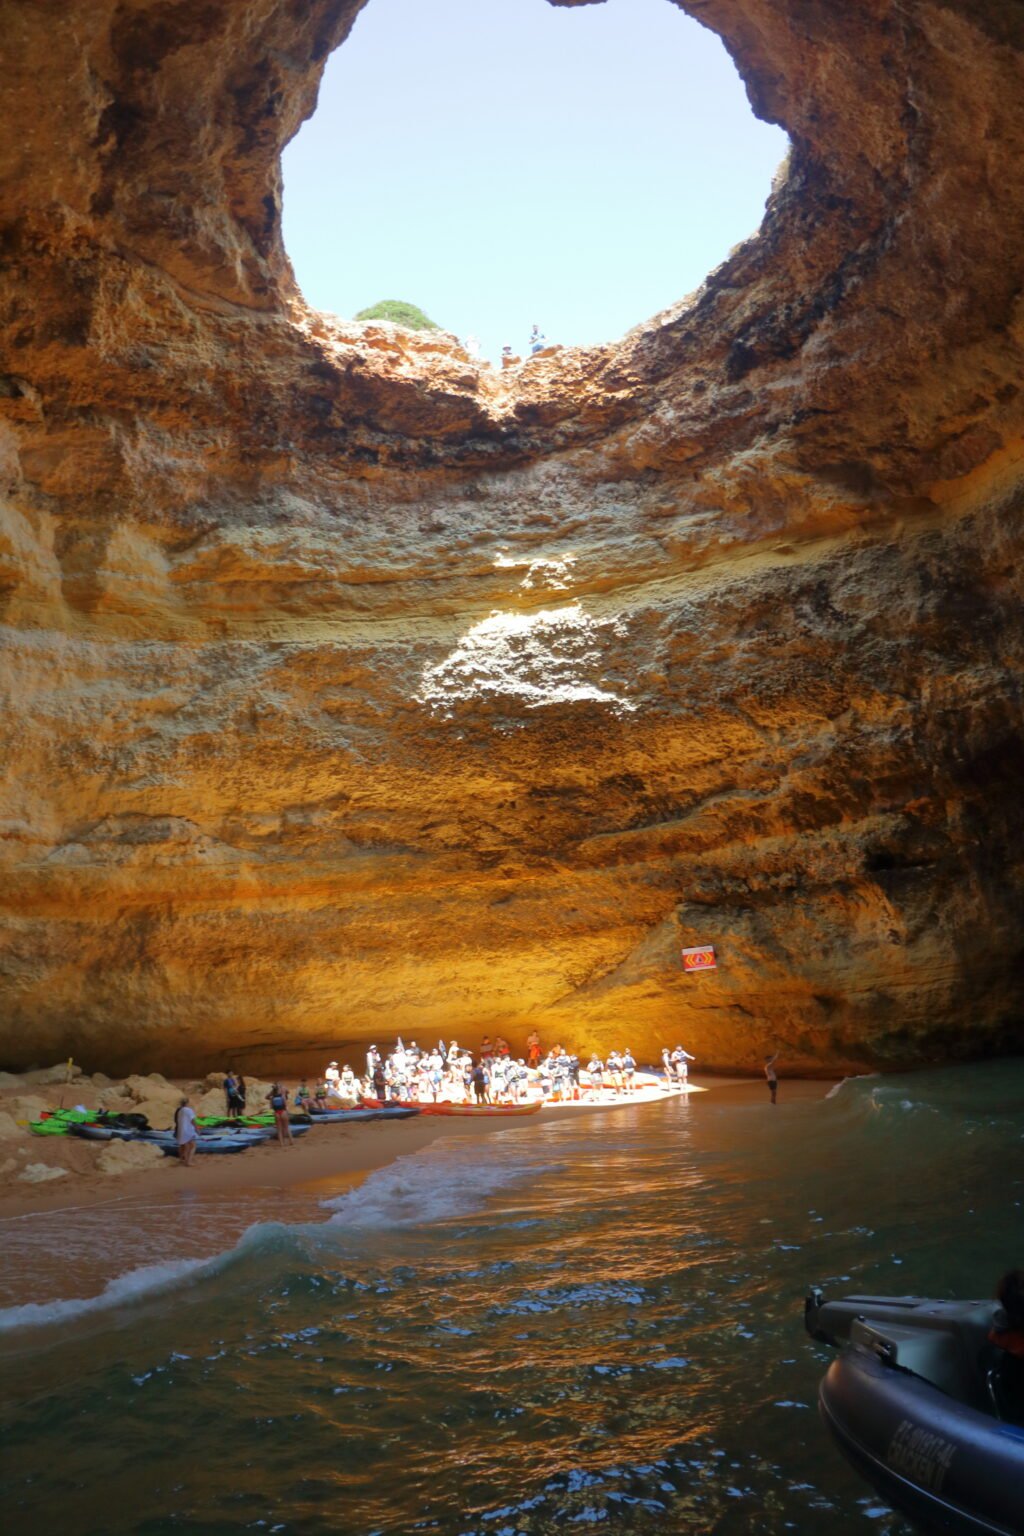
x=608 y=1333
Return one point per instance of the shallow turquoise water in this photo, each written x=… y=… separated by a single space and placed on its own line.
x=594 y=1320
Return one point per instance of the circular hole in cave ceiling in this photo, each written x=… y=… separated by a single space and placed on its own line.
x=501 y=162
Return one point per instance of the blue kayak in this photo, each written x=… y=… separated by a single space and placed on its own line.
x=333 y=1116
x=219 y=1141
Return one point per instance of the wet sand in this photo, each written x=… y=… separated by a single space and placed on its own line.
x=332 y=1156
x=101 y=1226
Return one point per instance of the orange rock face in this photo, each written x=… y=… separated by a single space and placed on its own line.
x=348 y=687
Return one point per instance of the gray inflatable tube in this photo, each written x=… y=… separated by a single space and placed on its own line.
x=945 y=1465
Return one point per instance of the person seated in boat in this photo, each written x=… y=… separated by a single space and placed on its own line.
x=320 y=1101
x=1007 y=1334
x=331 y=1076
x=398 y=1085
x=348 y=1086
x=303 y=1098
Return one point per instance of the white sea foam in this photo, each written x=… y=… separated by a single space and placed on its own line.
x=858 y=1077
x=427 y=1186
x=146 y=1281
x=150 y=1280
x=433 y=1185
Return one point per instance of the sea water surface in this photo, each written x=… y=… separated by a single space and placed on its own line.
x=591 y=1320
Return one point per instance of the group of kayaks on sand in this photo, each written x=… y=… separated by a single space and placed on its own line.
x=446 y=1079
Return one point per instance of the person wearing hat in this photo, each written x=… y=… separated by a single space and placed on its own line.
x=332 y=1077
x=348 y=1087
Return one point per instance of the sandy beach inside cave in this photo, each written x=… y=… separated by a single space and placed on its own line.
x=330 y=1157
x=71 y=1235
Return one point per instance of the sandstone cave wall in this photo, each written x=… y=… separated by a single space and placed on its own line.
x=347 y=687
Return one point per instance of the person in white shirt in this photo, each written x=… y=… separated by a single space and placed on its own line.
x=332 y=1077
x=185 y=1132
x=347 y=1085
x=679 y=1061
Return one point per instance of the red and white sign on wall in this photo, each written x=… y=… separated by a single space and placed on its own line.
x=700 y=958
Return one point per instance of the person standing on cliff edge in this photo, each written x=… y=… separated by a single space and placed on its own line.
x=769 y=1072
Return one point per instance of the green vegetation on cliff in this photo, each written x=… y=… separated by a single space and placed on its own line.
x=399 y=313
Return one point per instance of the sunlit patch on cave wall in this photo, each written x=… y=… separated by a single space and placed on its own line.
x=291 y=752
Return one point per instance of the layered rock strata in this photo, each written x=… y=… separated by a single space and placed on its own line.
x=348 y=686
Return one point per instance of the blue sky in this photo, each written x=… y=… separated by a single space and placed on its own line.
x=499 y=162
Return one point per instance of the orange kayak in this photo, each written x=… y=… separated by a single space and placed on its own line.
x=446 y=1107
x=482 y=1109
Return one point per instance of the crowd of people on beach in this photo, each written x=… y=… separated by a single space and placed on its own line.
x=489 y=1075
x=448 y=1072
x=408 y=1074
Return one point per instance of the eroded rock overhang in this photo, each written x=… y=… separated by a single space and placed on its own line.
x=348 y=687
